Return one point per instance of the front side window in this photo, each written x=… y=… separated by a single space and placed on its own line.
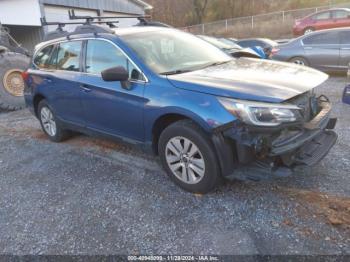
x=44 y=57
x=172 y=51
x=323 y=16
x=68 y=57
x=102 y=55
x=329 y=38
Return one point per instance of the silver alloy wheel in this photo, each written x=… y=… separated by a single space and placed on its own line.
x=185 y=160
x=308 y=31
x=299 y=62
x=48 y=121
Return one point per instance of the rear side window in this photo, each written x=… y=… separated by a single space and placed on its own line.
x=340 y=14
x=322 y=16
x=44 y=58
x=329 y=38
x=345 y=37
x=68 y=57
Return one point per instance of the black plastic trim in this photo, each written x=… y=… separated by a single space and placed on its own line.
x=224 y=153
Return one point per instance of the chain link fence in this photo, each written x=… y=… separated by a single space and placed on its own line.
x=272 y=25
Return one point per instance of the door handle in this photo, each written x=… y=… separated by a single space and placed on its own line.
x=308 y=48
x=48 y=80
x=345 y=48
x=85 y=88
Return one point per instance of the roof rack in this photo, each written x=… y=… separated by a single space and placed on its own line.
x=89 y=19
x=90 y=25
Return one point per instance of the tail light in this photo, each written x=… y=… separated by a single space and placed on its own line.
x=274 y=51
x=25 y=75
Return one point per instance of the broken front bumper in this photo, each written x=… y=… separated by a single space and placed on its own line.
x=261 y=152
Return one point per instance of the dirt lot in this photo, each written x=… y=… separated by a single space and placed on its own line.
x=90 y=196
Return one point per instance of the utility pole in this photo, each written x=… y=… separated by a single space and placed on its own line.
x=253 y=8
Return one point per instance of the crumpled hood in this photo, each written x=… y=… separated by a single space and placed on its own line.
x=251 y=79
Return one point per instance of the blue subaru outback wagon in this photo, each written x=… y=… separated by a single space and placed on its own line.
x=207 y=115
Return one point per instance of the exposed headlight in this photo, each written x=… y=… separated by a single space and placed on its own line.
x=262 y=114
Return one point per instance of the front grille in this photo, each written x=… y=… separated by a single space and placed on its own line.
x=308 y=103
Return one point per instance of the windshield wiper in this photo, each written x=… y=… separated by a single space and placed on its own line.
x=181 y=71
x=215 y=64
x=176 y=72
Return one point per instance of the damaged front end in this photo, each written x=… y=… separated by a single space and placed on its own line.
x=257 y=152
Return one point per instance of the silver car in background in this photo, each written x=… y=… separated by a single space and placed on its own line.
x=327 y=50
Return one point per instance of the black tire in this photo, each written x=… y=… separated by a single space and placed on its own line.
x=299 y=61
x=11 y=61
x=61 y=134
x=189 y=130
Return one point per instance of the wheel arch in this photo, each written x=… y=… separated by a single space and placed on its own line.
x=169 y=118
x=224 y=149
x=36 y=100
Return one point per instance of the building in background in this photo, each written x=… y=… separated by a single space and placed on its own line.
x=22 y=17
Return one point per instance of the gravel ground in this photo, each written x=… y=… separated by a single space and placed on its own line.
x=91 y=196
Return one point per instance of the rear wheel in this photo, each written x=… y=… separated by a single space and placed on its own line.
x=299 y=61
x=188 y=157
x=11 y=82
x=49 y=124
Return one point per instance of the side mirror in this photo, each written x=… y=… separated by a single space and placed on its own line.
x=115 y=74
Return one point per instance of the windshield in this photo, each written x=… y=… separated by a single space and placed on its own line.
x=173 y=51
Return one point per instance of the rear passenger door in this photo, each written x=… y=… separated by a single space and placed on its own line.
x=322 y=50
x=341 y=18
x=344 y=59
x=56 y=77
x=109 y=107
x=323 y=21
x=66 y=93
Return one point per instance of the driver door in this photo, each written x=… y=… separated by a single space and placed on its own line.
x=109 y=107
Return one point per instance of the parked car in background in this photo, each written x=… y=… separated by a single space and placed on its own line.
x=283 y=41
x=339 y=17
x=230 y=47
x=257 y=49
x=326 y=50
x=266 y=44
x=346 y=93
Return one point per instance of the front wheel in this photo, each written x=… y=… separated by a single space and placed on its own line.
x=188 y=157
